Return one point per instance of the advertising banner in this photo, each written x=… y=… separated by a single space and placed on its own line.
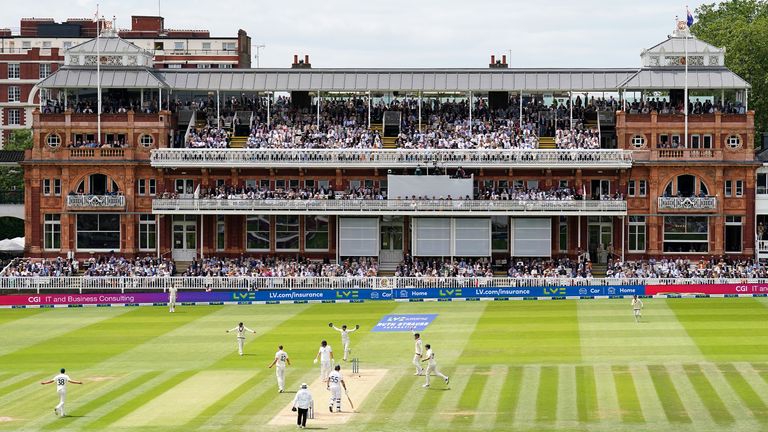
x=401 y=323
x=747 y=288
x=495 y=292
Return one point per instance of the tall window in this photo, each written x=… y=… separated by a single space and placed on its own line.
x=14 y=117
x=52 y=232
x=14 y=71
x=220 y=233
x=14 y=93
x=98 y=232
x=500 y=233
x=686 y=234
x=141 y=187
x=762 y=183
x=46 y=187
x=316 y=232
x=286 y=232
x=733 y=233
x=45 y=70
x=257 y=233
x=147 y=232
x=637 y=233
x=563 y=234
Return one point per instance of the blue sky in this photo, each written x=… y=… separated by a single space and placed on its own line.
x=399 y=33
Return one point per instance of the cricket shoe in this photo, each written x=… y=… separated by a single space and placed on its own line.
x=330 y=409
x=55 y=412
x=425 y=385
x=280 y=391
x=447 y=380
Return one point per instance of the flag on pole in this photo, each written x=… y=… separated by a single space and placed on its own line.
x=689 y=20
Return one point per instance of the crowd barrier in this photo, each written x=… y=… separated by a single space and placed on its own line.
x=132 y=291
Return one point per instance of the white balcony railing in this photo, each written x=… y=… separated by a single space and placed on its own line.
x=762 y=247
x=96 y=201
x=687 y=203
x=390 y=158
x=383 y=207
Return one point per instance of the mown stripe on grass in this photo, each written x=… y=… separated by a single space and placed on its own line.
x=746 y=393
x=762 y=370
x=631 y=412
x=19 y=384
x=667 y=394
x=399 y=394
x=526 y=403
x=99 y=401
x=646 y=394
x=250 y=415
x=730 y=399
x=489 y=400
x=140 y=400
x=225 y=401
x=469 y=402
x=607 y=401
x=586 y=394
x=708 y=394
x=510 y=394
x=17 y=314
x=546 y=398
x=566 y=397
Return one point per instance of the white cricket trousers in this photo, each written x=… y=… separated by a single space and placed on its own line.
x=325 y=370
x=433 y=368
x=60 y=407
x=417 y=363
x=347 y=350
x=240 y=342
x=637 y=313
x=335 y=398
x=280 y=373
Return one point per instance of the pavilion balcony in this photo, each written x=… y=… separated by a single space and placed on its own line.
x=389 y=207
x=96 y=201
x=379 y=158
x=688 y=203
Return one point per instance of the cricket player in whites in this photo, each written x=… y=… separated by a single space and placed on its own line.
x=325 y=354
x=61 y=380
x=335 y=383
x=240 y=331
x=281 y=358
x=344 y=337
x=172 y=298
x=637 y=306
x=418 y=349
x=432 y=366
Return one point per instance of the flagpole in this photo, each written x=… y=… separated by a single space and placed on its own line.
x=98 y=78
x=685 y=97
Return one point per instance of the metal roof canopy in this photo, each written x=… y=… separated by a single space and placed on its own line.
x=74 y=78
x=699 y=78
x=424 y=80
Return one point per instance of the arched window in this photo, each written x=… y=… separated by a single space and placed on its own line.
x=97 y=184
x=686 y=185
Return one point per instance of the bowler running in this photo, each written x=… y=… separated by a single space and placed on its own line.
x=432 y=366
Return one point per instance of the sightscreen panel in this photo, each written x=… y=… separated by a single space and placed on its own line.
x=359 y=237
x=532 y=237
x=472 y=237
x=432 y=237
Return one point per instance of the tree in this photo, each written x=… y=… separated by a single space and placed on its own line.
x=12 y=178
x=741 y=27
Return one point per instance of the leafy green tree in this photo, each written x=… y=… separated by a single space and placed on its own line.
x=741 y=27
x=12 y=178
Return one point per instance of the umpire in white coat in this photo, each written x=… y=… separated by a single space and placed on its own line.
x=301 y=403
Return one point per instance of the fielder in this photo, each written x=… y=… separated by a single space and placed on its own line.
x=432 y=366
x=240 y=331
x=281 y=358
x=344 y=337
x=172 y=299
x=637 y=306
x=61 y=380
x=334 y=379
x=418 y=349
x=325 y=354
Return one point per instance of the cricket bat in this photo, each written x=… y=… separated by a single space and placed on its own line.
x=349 y=400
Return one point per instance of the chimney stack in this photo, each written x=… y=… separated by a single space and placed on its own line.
x=301 y=64
x=498 y=64
x=504 y=59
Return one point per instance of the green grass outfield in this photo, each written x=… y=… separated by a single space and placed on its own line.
x=694 y=365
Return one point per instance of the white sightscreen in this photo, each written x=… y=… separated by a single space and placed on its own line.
x=358 y=237
x=432 y=237
x=531 y=237
x=472 y=237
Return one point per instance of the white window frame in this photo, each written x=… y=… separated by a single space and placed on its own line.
x=149 y=222
x=14 y=71
x=45 y=70
x=152 y=187
x=14 y=117
x=14 y=93
x=631 y=188
x=57 y=187
x=734 y=221
x=141 y=187
x=642 y=188
x=728 y=188
x=638 y=141
x=636 y=225
x=47 y=187
x=221 y=227
x=739 y=188
x=50 y=222
x=733 y=141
